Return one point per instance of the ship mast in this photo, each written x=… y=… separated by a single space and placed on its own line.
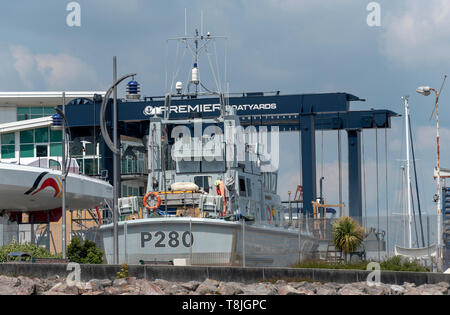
x=408 y=173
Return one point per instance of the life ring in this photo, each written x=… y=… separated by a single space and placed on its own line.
x=270 y=214
x=158 y=201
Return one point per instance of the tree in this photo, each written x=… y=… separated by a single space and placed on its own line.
x=84 y=252
x=347 y=235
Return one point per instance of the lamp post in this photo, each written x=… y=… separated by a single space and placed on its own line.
x=64 y=171
x=114 y=146
x=426 y=90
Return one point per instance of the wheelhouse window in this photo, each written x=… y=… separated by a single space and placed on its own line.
x=203 y=182
x=249 y=187
x=242 y=186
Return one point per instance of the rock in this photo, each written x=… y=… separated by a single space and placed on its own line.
x=122 y=282
x=325 y=291
x=280 y=283
x=430 y=289
x=443 y=285
x=397 y=290
x=99 y=285
x=303 y=284
x=112 y=291
x=230 y=288
x=62 y=287
x=380 y=289
x=350 y=289
x=131 y=280
x=289 y=290
x=176 y=289
x=260 y=289
x=191 y=285
x=412 y=291
x=94 y=293
x=25 y=286
x=207 y=287
x=333 y=286
x=163 y=284
x=148 y=288
x=16 y=286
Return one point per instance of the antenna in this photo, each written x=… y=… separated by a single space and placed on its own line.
x=201 y=23
x=185 y=22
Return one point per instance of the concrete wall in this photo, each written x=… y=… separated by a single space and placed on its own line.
x=8 y=113
x=246 y=275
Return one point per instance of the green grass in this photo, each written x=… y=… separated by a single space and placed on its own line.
x=392 y=264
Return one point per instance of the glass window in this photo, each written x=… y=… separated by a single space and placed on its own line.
x=242 y=189
x=23 y=110
x=37 y=112
x=27 y=136
x=55 y=149
x=54 y=165
x=8 y=152
x=203 y=182
x=124 y=191
x=26 y=150
x=273 y=182
x=249 y=187
x=81 y=165
x=49 y=111
x=41 y=150
x=8 y=138
x=89 y=148
x=89 y=167
x=55 y=135
x=23 y=113
x=41 y=135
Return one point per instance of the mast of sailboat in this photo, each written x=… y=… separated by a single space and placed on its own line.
x=408 y=173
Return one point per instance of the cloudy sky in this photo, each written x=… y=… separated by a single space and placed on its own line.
x=295 y=46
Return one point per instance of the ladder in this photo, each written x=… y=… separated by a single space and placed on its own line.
x=333 y=255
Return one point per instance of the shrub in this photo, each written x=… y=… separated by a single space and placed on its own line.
x=347 y=235
x=395 y=263
x=34 y=250
x=84 y=252
x=123 y=273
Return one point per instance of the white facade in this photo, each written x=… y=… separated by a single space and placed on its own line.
x=40 y=106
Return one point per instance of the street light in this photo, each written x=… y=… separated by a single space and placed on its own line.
x=114 y=146
x=64 y=169
x=426 y=90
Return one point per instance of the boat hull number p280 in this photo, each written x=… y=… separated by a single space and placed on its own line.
x=167 y=239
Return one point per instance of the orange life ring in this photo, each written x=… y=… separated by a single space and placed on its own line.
x=158 y=201
x=269 y=213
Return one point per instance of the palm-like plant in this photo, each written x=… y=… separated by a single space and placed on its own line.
x=347 y=235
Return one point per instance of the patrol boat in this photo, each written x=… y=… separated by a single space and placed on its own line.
x=211 y=195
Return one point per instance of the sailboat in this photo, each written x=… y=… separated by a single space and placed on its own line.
x=417 y=253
